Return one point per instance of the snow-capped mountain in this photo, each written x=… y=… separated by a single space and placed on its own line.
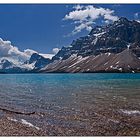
x=12 y=60
x=111 y=48
x=112 y=38
x=37 y=61
x=7 y=66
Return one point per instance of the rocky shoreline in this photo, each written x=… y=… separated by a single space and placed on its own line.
x=9 y=127
x=104 y=123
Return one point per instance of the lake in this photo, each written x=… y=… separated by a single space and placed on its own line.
x=74 y=104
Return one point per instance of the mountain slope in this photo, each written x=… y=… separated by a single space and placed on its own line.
x=111 y=48
x=112 y=38
x=125 y=61
x=7 y=66
x=37 y=61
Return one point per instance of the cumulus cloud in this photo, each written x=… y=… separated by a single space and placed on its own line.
x=81 y=26
x=55 y=50
x=136 y=15
x=10 y=52
x=84 y=16
x=78 y=7
x=17 y=57
x=47 y=55
x=29 y=52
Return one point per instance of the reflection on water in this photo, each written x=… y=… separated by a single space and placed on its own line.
x=75 y=104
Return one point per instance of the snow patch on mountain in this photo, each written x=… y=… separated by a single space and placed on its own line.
x=47 y=55
x=12 y=58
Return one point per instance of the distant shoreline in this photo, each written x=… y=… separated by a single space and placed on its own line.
x=57 y=72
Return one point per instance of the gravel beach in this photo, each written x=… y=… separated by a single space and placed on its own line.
x=101 y=123
x=11 y=128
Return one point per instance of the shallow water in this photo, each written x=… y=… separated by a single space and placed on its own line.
x=75 y=104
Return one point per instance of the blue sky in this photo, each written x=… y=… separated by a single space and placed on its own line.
x=42 y=27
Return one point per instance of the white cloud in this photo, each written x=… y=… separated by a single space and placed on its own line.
x=136 y=15
x=105 y=21
x=47 y=55
x=55 y=50
x=78 y=7
x=84 y=16
x=17 y=57
x=82 y=26
x=12 y=53
x=29 y=52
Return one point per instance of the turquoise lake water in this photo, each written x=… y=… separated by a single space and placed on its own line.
x=73 y=101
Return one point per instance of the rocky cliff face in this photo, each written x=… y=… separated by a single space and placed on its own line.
x=112 y=38
x=7 y=66
x=37 y=61
x=125 y=61
x=111 y=48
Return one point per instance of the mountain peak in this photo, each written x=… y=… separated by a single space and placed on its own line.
x=112 y=38
x=118 y=41
x=123 y=19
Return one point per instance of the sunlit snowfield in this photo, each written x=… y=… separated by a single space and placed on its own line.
x=74 y=104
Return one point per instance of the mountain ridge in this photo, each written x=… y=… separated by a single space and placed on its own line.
x=109 y=48
x=117 y=41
